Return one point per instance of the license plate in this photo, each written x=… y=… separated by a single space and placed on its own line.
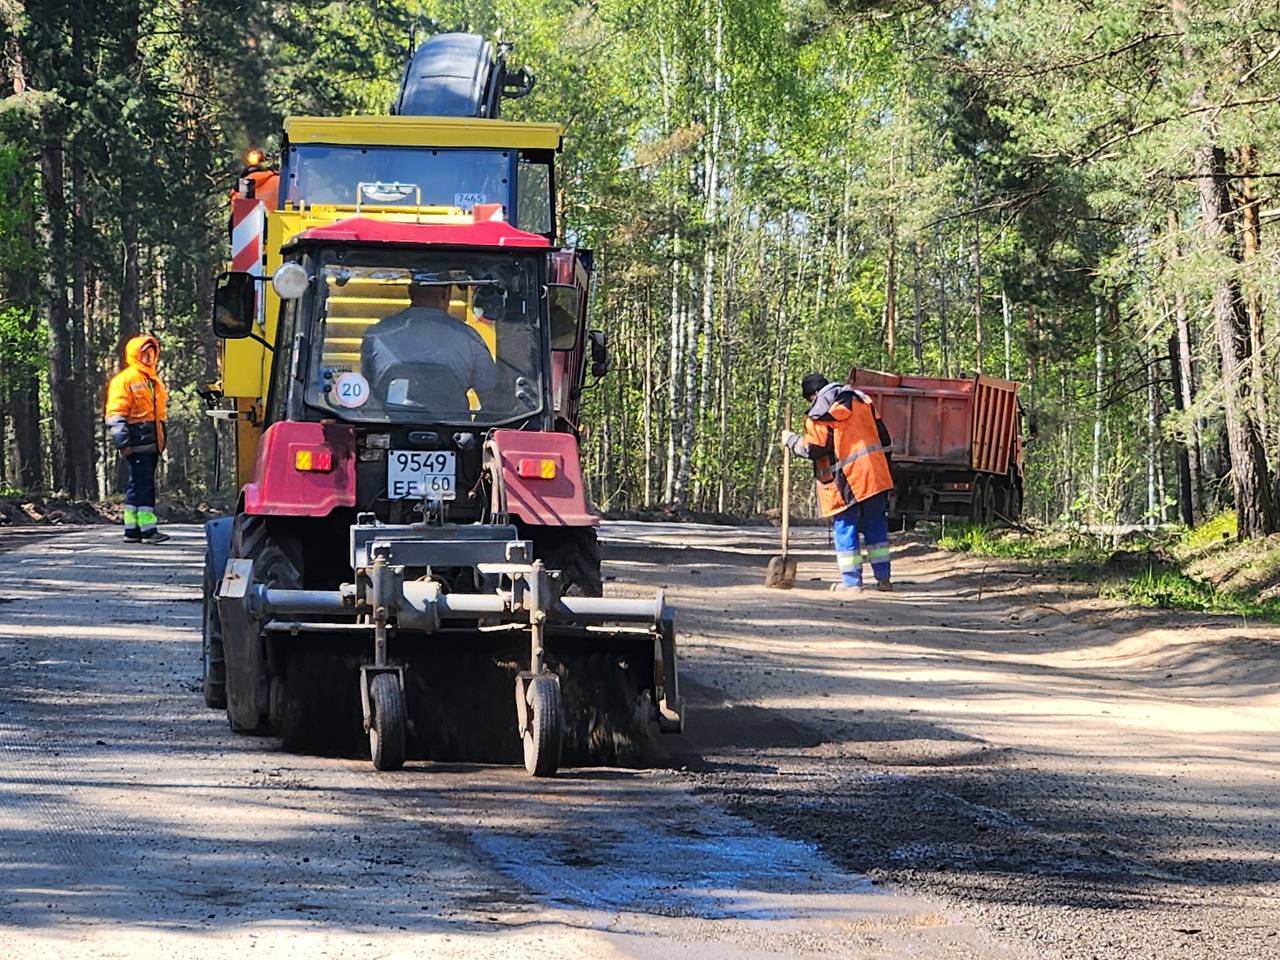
x=416 y=474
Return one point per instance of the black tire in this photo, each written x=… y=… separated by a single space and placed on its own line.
x=978 y=503
x=544 y=735
x=277 y=562
x=386 y=732
x=575 y=552
x=213 y=664
x=989 y=502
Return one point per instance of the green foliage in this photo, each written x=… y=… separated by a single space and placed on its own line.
x=22 y=344
x=1176 y=591
x=986 y=541
x=1215 y=532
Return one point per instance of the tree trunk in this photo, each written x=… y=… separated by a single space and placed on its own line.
x=944 y=338
x=977 y=277
x=1251 y=238
x=917 y=328
x=1250 y=478
x=1099 y=368
x=64 y=394
x=1186 y=385
x=1008 y=333
x=1187 y=474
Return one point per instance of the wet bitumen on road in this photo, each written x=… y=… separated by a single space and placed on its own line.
x=922 y=774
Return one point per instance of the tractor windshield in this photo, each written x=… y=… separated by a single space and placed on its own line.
x=447 y=338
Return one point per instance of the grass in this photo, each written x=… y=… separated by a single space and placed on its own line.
x=1204 y=569
x=1172 y=590
x=985 y=541
x=1208 y=536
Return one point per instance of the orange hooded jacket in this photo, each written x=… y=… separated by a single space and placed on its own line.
x=138 y=401
x=842 y=436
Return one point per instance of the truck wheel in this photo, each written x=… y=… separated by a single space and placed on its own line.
x=989 y=502
x=1015 y=504
x=544 y=735
x=386 y=732
x=575 y=552
x=214 y=666
x=979 y=499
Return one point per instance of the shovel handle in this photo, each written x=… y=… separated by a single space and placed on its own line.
x=786 y=489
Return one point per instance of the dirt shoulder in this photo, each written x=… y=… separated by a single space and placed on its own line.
x=35 y=509
x=1094 y=778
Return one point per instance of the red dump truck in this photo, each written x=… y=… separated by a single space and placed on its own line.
x=957 y=445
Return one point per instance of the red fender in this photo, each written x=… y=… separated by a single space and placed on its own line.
x=525 y=491
x=281 y=487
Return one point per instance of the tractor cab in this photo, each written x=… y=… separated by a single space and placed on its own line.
x=414 y=342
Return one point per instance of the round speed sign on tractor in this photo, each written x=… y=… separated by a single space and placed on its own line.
x=351 y=390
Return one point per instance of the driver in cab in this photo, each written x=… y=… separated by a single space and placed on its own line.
x=423 y=357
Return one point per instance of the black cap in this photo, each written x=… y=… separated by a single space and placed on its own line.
x=812 y=383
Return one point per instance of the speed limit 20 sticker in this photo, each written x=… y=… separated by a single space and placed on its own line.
x=351 y=390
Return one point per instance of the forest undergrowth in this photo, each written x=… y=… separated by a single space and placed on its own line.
x=1204 y=568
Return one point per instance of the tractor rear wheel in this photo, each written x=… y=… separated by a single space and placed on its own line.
x=387 y=729
x=214 y=666
x=544 y=730
x=575 y=552
x=277 y=563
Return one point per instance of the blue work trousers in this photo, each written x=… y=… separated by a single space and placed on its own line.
x=869 y=519
x=140 y=496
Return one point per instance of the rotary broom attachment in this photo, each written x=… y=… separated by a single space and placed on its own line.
x=395 y=666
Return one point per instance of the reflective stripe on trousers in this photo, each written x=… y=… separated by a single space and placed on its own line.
x=869 y=521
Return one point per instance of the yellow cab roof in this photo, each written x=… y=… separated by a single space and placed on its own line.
x=423 y=132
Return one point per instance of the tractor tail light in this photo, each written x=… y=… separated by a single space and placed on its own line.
x=534 y=468
x=313 y=459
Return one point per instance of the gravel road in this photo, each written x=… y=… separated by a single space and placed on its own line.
x=978 y=765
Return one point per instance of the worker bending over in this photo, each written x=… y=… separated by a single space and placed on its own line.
x=136 y=409
x=848 y=445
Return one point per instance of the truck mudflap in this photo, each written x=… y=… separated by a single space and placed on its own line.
x=604 y=669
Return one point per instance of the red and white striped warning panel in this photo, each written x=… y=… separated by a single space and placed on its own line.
x=247 y=222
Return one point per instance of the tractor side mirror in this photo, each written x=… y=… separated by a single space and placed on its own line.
x=599 y=352
x=234 y=306
x=564 y=316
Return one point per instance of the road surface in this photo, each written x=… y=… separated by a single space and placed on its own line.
x=974 y=766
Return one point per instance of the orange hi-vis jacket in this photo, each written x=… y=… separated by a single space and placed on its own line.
x=137 y=402
x=848 y=446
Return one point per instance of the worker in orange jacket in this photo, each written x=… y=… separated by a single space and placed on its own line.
x=849 y=447
x=137 y=405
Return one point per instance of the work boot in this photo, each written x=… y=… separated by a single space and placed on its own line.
x=846 y=589
x=886 y=585
x=156 y=537
x=132 y=536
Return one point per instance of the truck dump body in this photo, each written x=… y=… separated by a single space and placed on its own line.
x=948 y=434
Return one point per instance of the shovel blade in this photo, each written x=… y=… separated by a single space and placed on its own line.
x=781 y=573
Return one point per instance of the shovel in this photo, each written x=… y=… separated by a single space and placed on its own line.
x=781 y=574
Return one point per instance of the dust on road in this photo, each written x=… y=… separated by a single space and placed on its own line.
x=1093 y=780
x=133 y=823
x=974 y=766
